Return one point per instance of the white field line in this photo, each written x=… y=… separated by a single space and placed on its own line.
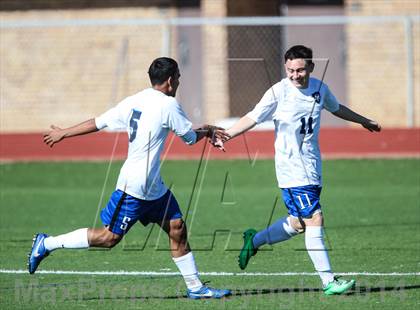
x=216 y=274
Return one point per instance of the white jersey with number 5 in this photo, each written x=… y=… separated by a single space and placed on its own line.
x=147 y=117
x=296 y=114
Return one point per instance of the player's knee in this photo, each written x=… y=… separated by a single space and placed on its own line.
x=109 y=240
x=177 y=225
x=316 y=220
x=114 y=240
x=300 y=229
x=296 y=224
x=178 y=229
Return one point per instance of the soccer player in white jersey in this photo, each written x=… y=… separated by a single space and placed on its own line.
x=295 y=104
x=140 y=194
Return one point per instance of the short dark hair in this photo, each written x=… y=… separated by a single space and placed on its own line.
x=299 y=51
x=161 y=69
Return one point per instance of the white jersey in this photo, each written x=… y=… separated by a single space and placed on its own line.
x=147 y=117
x=296 y=114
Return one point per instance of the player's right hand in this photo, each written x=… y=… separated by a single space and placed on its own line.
x=372 y=126
x=218 y=143
x=220 y=133
x=54 y=136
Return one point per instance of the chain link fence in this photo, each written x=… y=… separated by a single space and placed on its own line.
x=70 y=70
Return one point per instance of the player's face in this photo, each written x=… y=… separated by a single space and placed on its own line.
x=298 y=72
x=174 y=83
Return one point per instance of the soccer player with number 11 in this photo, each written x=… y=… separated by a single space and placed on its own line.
x=295 y=104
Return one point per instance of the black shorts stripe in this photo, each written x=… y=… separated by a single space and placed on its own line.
x=117 y=211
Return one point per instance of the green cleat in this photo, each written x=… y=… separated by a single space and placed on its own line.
x=338 y=287
x=248 y=249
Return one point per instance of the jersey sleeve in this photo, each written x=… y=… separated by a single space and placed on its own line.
x=175 y=119
x=190 y=137
x=331 y=104
x=264 y=109
x=115 y=118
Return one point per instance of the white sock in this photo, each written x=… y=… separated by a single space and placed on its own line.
x=277 y=232
x=77 y=239
x=188 y=269
x=314 y=242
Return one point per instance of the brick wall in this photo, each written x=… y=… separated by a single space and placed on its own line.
x=382 y=7
x=65 y=75
x=377 y=62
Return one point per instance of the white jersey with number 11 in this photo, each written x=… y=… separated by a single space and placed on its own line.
x=296 y=114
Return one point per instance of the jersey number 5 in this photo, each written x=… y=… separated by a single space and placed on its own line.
x=303 y=127
x=125 y=221
x=134 y=124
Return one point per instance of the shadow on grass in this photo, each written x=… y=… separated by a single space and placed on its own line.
x=237 y=293
x=363 y=290
x=358 y=290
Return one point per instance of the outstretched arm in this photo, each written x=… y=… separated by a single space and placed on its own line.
x=196 y=134
x=241 y=126
x=57 y=134
x=210 y=131
x=244 y=124
x=348 y=115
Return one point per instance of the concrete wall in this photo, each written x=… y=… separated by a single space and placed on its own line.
x=215 y=91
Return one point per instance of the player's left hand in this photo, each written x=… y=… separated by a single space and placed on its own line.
x=54 y=136
x=372 y=126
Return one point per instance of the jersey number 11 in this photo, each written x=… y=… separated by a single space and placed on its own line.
x=303 y=127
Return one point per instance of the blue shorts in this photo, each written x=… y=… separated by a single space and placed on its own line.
x=123 y=211
x=302 y=201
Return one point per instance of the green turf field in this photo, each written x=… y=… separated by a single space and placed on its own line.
x=372 y=213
